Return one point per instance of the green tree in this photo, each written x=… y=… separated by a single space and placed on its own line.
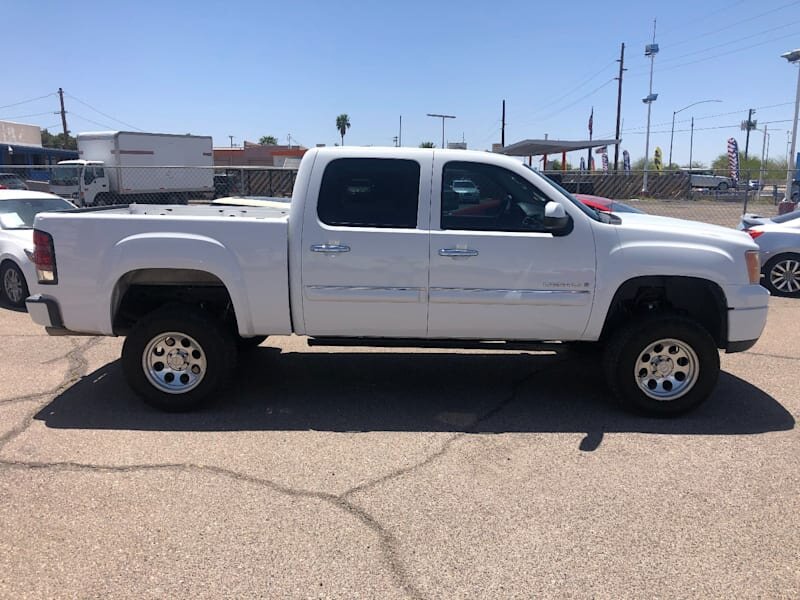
x=57 y=141
x=555 y=165
x=427 y=145
x=268 y=140
x=751 y=168
x=342 y=124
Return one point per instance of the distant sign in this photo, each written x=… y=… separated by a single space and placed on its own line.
x=20 y=134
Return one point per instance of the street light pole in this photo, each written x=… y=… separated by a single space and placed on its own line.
x=691 y=144
x=650 y=51
x=794 y=58
x=672 y=131
x=442 y=117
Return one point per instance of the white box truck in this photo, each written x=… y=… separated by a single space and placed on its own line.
x=125 y=167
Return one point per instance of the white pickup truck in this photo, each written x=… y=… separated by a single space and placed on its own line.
x=377 y=248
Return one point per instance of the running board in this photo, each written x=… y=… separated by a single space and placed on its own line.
x=427 y=343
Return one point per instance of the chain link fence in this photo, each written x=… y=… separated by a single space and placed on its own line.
x=673 y=194
x=103 y=185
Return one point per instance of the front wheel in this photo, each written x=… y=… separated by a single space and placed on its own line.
x=723 y=187
x=662 y=366
x=178 y=357
x=15 y=288
x=782 y=275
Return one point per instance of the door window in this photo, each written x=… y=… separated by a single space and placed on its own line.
x=480 y=197
x=370 y=192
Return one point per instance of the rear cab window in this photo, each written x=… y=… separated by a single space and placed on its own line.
x=370 y=192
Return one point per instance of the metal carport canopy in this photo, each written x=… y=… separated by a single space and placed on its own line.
x=537 y=147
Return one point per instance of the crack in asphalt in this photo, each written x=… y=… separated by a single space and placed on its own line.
x=767 y=355
x=77 y=365
x=389 y=543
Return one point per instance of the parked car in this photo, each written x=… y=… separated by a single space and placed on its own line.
x=752 y=219
x=466 y=191
x=18 y=208
x=779 y=244
x=707 y=179
x=606 y=204
x=12 y=181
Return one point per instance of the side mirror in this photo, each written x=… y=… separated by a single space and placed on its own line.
x=556 y=219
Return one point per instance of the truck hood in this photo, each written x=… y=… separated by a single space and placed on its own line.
x=667 y=229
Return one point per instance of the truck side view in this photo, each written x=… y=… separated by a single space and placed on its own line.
x=376 y=247
x=116 y=167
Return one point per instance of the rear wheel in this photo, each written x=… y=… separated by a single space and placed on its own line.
x=249 y=343
x=722 y=187
x=177 y=357
x=662 y=365
x=782 y=275
x=15 y=288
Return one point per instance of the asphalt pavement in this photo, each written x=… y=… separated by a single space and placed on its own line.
x=402 y=473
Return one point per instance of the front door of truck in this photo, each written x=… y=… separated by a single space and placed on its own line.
x=496 y=272
x=365 y=246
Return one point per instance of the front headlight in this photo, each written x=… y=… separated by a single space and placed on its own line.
x=753 y=260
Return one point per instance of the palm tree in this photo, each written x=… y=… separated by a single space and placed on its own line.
x=268 y=140
x=342 y=124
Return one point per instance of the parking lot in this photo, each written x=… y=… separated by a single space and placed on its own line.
x=344 y=473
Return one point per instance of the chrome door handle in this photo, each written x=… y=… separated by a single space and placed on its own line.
x=457 y=252
x=330 y=248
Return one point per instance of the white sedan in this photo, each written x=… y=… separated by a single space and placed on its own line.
x=18 y=208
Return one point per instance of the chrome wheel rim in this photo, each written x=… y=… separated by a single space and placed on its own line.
x=785 y=276
x=12 y=284
x=174 y=362
x=666 y=369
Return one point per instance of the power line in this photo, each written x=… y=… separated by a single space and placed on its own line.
x=738 y=39
x=104 y=125
x=27 y=101
x=731 y=126
x=102 y=113
x=49 y=112
x=584 y=81
x=571 y=104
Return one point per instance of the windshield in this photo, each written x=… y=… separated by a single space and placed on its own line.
x=19 y=214
x=65 y=175
x=790 y=216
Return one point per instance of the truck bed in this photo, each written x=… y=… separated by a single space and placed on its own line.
x=100 y=251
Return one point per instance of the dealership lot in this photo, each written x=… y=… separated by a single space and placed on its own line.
x=358 y=472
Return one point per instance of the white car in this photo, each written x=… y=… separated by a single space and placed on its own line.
x=779 y=244
x=18 y=208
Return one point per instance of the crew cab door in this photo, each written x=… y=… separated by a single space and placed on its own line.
x=496 y=272
x=365 y=246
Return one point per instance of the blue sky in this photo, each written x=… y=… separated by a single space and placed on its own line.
x=253 y=68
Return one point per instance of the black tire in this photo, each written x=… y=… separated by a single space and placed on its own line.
x=690 y=365
x=245 y=344
x=586 y=348
x=723 y=187
x=103 y=199
x=782 y=275
x=215 y=357
x=13 y=284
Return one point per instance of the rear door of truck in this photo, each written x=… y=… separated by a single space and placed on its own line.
x=365 y=245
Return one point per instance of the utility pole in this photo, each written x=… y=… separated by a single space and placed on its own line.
x=63 y=117
x=400 y=133
x=619 y=103
x=503 y=126
x=762 y=170
x=394 y=139
x=230 y=136
x=748 y=125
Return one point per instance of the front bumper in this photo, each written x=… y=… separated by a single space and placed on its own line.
x=747 y=315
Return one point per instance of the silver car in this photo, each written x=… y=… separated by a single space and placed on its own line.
x=780 y=256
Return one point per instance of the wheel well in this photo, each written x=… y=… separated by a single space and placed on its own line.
x=699 y=299
x=140 y=292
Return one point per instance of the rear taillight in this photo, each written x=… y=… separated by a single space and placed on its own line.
x=44 y=257
x=754 y=233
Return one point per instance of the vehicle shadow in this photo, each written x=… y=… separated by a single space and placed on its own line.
x=6 y=305
x=402 y=391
